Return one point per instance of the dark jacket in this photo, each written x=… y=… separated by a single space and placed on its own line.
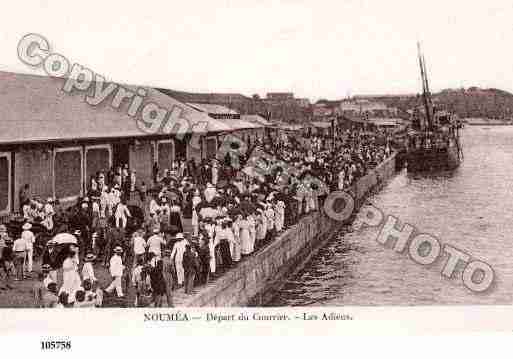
x=51 y=259
x=190 y=262
x=158 y=285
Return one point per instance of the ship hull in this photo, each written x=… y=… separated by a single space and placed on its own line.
x=433 y=159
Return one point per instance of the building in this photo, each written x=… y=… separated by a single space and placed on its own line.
x=215 y=111
x=362 y=106
x=242 y=127
x=303 y=102
x=279 y=96
x=319 y=128
x=54 y=140
x=322 y=110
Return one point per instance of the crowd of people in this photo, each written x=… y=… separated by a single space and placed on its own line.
x=230 y=207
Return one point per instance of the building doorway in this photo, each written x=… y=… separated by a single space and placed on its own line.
x=120 y=154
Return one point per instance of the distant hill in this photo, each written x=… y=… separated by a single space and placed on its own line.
x=470 y=102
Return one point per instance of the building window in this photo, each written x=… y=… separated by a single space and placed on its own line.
x=165 y=154
x=98 y=158
x=5 y=183
x=67 y=173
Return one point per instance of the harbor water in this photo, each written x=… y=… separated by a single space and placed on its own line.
x=470 y=208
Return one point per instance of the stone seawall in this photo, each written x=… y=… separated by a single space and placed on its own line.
x=255 y=280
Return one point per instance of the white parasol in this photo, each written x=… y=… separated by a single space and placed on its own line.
x=208 y=212
x=64 y=238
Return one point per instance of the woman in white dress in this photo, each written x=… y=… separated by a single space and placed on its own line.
x=71 y=278
x=311 y=197
x=261 y=228
x=252 y=231
x=196 y=200
x=215 y=172
x=210 y=233
x=245 y=237
x=235 y=245
x=279 y=215
x=269 y=213
x=236 y=229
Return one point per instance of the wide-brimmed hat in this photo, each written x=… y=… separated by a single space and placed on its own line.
x=118 y=249
x=156 y=230
x=89 y=257
x=49 y=200
x=179 y=236
x=27 y=226
x=46 y=268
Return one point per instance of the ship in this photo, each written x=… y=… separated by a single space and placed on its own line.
x=433 y=141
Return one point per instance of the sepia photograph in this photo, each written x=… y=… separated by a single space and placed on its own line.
x=298 y=160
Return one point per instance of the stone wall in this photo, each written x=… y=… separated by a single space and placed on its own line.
x=255 y=280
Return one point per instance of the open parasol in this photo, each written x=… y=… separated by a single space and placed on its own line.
x=65 y=238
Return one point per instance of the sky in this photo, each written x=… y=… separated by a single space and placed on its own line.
x=316 y=49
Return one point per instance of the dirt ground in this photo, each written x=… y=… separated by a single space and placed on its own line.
x=21 y=296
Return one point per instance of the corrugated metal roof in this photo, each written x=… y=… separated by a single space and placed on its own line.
x=205 y=97
x=35 y=108
x=237 y=124
x=212 y=108
x=256 y=119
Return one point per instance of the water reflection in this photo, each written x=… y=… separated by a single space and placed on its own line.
x=470 y=208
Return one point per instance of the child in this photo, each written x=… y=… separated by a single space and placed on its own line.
x=63 y=300
x=39 y=290
x=98 y=302
x=80 y=301
x=50 y=299
x=87 y=269
x=138 y=280
x=90 y=296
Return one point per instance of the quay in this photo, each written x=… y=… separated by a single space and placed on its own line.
x=255 y=280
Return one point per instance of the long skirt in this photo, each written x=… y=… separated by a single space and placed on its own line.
x=176 y=221
x=195 y=223
x=236 y=252
x=180 y=273
x=245 y=240
x=218 y=257
x=279 y=221
x=252 y=236
x=212 y=262
x=224 y=247
x=71 y=283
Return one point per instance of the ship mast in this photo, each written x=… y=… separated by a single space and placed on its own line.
x=425 y=89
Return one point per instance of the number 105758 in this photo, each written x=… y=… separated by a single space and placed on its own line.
x=55 y=345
